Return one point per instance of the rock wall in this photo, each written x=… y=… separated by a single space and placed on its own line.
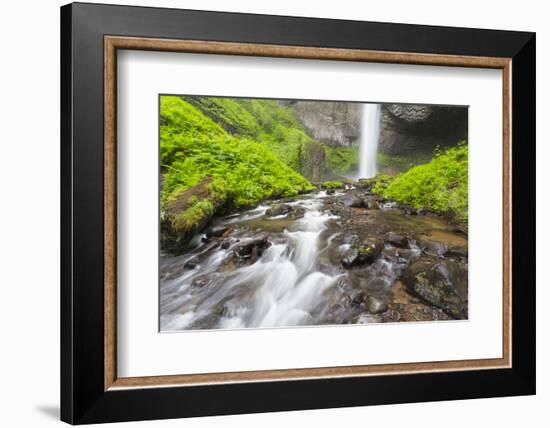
x=333 y=123
x=312 y=162
x=405 y=129
x=408 y=129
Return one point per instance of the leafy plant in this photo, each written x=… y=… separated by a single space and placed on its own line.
x=341 y=160
x=332 y=185
x=242 y=171
x=440 y=185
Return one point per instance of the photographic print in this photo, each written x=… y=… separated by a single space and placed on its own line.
x=285 y=213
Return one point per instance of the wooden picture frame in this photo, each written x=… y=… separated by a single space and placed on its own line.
x=91 y=390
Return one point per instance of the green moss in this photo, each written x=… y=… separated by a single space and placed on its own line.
x=366 y=250
x=229 y=113
x=270 y=123
x=440 y=185
x=342 y=160
x=242 y=170
x=265 y=121
x=195 y=213
x=396 y=164
x=377 y=183
x=179 y=119
x=332 y=185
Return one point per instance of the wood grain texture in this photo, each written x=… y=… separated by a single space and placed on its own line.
x=109 y=195
x=112 y=43
x=308 y=373
x=264 y=50
x=507 y=213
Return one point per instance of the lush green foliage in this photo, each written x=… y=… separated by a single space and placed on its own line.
x=195 y=212
x=377 y=183
x=270 y=123
x=265 y=121
x=243 y=170
x=341 y=160
x=332 y=185
x=396 y=164
x=440 y=185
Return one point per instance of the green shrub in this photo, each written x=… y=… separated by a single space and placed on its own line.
x=228 y=113
x=243 y=171
x=440 y=185
x=396 y=164
x=332 y=185
x=265 y=121
x=270 y=123
x=341 y=160
x=378 y=183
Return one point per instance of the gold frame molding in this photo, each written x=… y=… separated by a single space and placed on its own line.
x=113 y=43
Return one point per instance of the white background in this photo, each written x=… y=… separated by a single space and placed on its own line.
x=29 y=224
x=144 y=352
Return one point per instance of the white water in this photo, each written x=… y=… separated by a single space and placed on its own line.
x=370 y=133
x=297 y=280
x=283 y=288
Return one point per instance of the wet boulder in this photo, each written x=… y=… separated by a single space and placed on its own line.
x=178 y=229
x=364 y=253
x=366 y=183
x=441 y=283
x=202 y=281
x=433 y=248
x=397 y=240
x=253 y=249
x=296 y=213
x=357 y=297
x=191 y=264
x=371 y=203
x=352 y=201
x=278 y=209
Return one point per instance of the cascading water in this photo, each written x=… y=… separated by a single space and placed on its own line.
x=370 y=133
x=297 y=279
x=283 y=288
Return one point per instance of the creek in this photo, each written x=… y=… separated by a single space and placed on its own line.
x=315 y=259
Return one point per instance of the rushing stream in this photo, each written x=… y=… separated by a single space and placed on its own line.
x=261 y=268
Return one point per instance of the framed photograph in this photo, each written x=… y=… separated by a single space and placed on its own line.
x=266 y=213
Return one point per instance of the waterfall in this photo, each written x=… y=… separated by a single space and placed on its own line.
x=370 y=132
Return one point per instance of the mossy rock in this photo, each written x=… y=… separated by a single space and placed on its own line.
x=367 y=252
x=186 y=215
x=332 y=185
x=441 y=283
